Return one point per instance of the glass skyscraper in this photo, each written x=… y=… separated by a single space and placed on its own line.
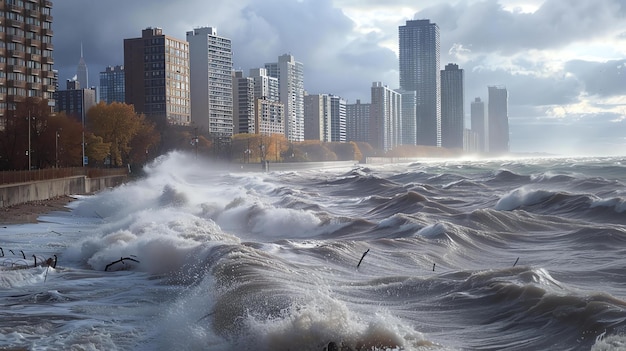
x=419 y=71
x=112 y=84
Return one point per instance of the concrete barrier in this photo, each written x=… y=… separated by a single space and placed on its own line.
x=19 y=193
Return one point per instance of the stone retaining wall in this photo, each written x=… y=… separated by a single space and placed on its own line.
x=14 y=194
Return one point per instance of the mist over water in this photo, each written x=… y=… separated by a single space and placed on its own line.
x=519 y=254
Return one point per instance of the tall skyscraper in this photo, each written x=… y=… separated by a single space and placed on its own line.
x=25 y=54
x=211 y=60
x=358 y=121
x=290 y=74
x=157 y=77
x=452 y=111
x=82 y=74
x=498 y=120
x=478 y=122
x=243 y=104
x=419 y=71
x=385 y=117
x=112 y=84
x=317 y=111
x=337 y=119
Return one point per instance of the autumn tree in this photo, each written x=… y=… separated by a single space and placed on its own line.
x=54 y=139
x=123 y=129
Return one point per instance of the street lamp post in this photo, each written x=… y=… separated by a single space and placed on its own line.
x=28 y=151
x=56 y=149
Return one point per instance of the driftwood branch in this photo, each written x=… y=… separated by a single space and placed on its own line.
x=118 y=261
x=362 y=257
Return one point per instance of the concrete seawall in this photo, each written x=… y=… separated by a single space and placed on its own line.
x=19 y=193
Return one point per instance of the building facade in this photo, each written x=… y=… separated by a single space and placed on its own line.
x=419 y=52
x=75 y=101
x=269 y=117
x=408 y=121
x=477 y=117
x=452 y=107
x=317 y=124
x=338 y=132
x=25 y=54
x=358 y=121
x=385 y=117
x=265 y=86
x=290 y=75
x=243 y=104
x=211 y=62
x=112 y=82
x=157 y=77
x=498 y=120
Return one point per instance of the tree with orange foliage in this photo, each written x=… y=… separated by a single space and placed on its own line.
x=131 y=135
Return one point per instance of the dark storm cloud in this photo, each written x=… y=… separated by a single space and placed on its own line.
x=485 y=26
x=314 y=31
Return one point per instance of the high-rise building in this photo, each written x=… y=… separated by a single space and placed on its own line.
x=337 y=119
x=477 y=116
x=358 y=121
x=385 y=117
x=211 y=60
x=452 y=102
x=25 y=54
x=419 y=52
x=243 y=104
x=157 y=77
x=74 y=100
x=265 y=86
x=408 y=135
x=112 y=84
x=82 y=74
x=290 y=74
x=317 y=124
x=498 y=120
x=257 y=109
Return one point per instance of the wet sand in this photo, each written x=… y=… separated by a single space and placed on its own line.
x=29 y=212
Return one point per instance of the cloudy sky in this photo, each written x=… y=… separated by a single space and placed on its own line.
x=562 y=61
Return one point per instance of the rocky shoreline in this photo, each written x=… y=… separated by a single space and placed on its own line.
x=31 y=211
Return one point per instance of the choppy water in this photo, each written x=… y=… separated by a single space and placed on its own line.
x=525 y=254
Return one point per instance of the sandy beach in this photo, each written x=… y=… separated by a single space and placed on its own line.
x=29 y=212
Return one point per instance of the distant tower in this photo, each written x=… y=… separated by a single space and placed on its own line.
x=498 y=120
x=290 y=74
x=452 y=102
x=358 y=121
x=419 y=71
x=82 y=74
x=478 y=122
x=385 y=113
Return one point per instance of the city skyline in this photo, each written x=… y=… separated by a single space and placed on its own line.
x=561 y=63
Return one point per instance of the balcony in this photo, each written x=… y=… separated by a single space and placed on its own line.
x=13 y=8
x=13 y=23
x=14 y=38
x=33 y=86
x=15 y=53
x=32 y=42
x=47 y=46
x=16 y=83
x=46 y=18
x=31 y=28
x=46 y=32
x=47 y=74
x=32 y=57
x=47 y=59
x=49 y=88
x=33 y=71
